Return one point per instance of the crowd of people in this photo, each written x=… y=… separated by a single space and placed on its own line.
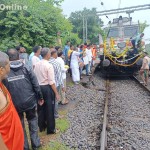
x=33 y=86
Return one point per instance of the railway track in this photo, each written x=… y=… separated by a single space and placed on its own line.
x=104 y=133
x=103 y=140
x=147 y=88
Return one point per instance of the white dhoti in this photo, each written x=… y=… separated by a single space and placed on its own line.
x=75 y=66
x=75 y=74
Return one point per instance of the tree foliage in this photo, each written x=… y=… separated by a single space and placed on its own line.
x=94 y=23
x=38 y=25
x=143 y=26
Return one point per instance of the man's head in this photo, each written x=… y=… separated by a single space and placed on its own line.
x=85 y=44
x=68 y=43
x=13 y=54
x=18 y=48
x=4 y=66
x=71 y=47
x=81 y=47
x=54 y=54
x=142 y=34
x=60 y=54
x=58 y=48
x=45 y=53
x=37 y=50
x=78 y=46
x=88 y=46
x=22 y=50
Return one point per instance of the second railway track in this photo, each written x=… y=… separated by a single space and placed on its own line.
x=126 y=116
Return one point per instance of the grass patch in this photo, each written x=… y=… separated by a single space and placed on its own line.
x=62 y=124
x=70 y=84
x=55 y=145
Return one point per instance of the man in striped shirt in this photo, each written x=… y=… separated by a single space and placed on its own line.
x=58 y=77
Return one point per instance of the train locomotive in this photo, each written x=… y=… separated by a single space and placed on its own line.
x=116 y=51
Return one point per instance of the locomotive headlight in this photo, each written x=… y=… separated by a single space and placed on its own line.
x=121 y=45
x=106 y=63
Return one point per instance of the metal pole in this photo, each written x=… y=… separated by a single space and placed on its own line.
x=86 y=28
x=83 y=30
x=130 y=18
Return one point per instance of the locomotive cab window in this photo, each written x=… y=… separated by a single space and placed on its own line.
x=130 y=31
x=113 y=32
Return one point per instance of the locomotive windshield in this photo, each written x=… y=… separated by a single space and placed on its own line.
x=130 y=31
x=113 y=32
x=125 y=31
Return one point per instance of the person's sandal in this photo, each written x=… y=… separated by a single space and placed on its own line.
x=56 y=131
x=66 y=102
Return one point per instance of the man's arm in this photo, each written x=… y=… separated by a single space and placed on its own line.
x=64 y=51
x=2 y=144
x=51 y=80
x=35 y=84
x=137 y=40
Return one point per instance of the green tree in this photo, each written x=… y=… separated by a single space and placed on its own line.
x=38 y=25
x=94 y=23
x=143 y=26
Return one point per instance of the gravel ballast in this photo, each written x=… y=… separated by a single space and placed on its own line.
x=128 y=117
x=86 y=118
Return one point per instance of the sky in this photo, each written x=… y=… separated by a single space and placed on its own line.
x=69 y=6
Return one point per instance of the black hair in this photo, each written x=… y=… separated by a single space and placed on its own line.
x=36 y=48
x=53 y=52
x=81 y=46
x=18 y=48
x=13 y=54
x=57 y=48
x=60 y=54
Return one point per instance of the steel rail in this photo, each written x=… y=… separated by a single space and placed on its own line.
x=103 y=140
x=142 y=85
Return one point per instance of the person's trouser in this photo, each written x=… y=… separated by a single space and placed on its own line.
x=33 y=128
x=56 y=104
x=63 y=94
x=81 y=69
x=69 y=70
x=87 y=69
x=66 y=60
x=135 y=51
x=46 y=111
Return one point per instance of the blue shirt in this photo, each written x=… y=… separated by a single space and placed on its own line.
x=65 y=51
x=137 y=39
x=32 y=54
x=81 y=55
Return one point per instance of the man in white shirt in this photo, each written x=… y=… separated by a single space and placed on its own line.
x=89 y=55
x=64 y=70
x=35 y=59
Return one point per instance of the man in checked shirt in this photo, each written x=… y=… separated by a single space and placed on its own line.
x=58 y=77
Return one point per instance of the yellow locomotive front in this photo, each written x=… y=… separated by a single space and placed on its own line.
x=118 y=55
